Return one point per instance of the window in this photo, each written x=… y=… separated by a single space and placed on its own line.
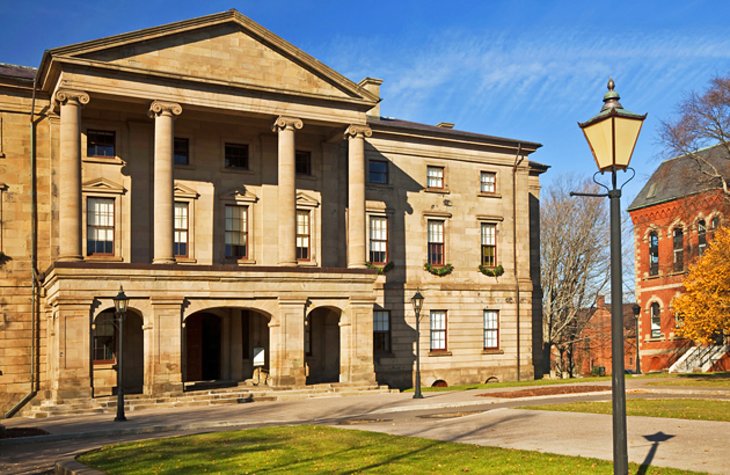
x=104 y=344
x=656 y=322
x=236 y=156
x=653 y=253
x=491 y=329
x=701 y=237
x=378 y=172
x=435 y=177
x=488 y=182
x=678 y=249
x=181 y=151
x=303 y=244
x=378 y=240
x=714 y=224
x=381 y=331
x=100 y=143
x=303 y=162
x=435 y=242
x=100 y=227
x=236 y=232
x=438 y=330
x=489 y=244
x=180 y=244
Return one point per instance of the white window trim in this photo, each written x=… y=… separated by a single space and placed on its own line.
x=103 y=188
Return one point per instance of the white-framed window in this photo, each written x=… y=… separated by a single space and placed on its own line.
x=381 y=331
x=181 y=220
x=99 y=226
x=678 y=249
x=489 y=244
x=236 y=230
x=436 y=245
x=656 y=320
x=491 y=329
x=438 y=330
x=488 y=182
x=701 y=236
x=303 y=238
x=435 y=177
x=378 y=240
x=653 y=253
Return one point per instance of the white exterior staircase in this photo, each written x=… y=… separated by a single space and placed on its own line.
x=699 y=358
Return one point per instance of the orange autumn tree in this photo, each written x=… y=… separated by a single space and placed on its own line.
x=704 y=307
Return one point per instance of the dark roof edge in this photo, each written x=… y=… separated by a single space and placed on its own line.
x=667 y=200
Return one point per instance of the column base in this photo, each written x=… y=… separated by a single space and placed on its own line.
x=69 y=259
x=164 y=260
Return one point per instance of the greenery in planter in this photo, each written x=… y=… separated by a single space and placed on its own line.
x=381 y=269
x=491 y=271
x=439 y=271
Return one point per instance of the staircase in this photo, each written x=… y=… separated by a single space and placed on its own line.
x=197 y=398
x=699 y=358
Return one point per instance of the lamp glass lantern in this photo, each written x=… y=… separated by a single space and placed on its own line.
x=417 y=301
x=121 y=301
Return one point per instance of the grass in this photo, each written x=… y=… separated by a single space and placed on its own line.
x=320 y=449
x=700 y=380
x=513 y=384
x=696 y=409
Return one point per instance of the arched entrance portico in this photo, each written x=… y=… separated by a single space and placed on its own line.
x=322 y=345
x=104 y=353
x=220 y=346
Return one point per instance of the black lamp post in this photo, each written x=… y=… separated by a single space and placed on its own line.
x=637 y=311
x=120 y=305
x=612 y=136
x=417 y=301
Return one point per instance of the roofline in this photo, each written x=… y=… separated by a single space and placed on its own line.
x=648 y=205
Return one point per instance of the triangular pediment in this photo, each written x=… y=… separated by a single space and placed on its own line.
x=306 y=201
x=182 y=191
x=223 y=47
x=240 y=194
x=102 y=185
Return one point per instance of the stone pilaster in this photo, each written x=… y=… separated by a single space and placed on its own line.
x=164 y=114
x=71 y=358
x=356 y=249
x=162 y=347
x=356 y=343
x=286 y=344
x=69 y=183
x=286 y=215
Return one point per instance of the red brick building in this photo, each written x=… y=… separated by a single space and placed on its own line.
x=675 y=216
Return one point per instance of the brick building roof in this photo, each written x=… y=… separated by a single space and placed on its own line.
x=683 y=176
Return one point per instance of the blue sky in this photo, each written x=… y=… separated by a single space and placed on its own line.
x=521 y=69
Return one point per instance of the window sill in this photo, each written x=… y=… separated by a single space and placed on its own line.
x=241 y=171
x=439 y=353
x=185 y=167
x=309 y=178
x=489 y=195
x=307 y=264
x=439 y=191
x=655 y=339
x=102 y=159
x=185 y=260
x=492 y=351
x=104 y=258
x=380 y=186
x=245 y=262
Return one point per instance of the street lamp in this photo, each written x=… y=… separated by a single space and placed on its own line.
x=612 y=136
x=417 y=301
x=120 y=305
x=637 y=311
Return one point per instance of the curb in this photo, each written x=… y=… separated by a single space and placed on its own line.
x=73 y=467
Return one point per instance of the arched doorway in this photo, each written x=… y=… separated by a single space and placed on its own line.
x=322 y=345
x=203 y=344
x=104 y=353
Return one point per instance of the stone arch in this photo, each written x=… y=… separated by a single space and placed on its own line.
x=104 y=352
x=322 y=344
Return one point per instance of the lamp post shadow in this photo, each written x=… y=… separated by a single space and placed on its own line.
x=656 y=439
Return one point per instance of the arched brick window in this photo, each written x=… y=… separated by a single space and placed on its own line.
x=653 y=253
x=678 y=249
x=656 y=321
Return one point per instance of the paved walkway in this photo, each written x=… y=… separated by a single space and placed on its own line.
x=692 y=445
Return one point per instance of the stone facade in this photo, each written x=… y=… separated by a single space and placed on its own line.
x=245 y=195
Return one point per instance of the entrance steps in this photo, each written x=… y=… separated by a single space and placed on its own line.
x=197 y=398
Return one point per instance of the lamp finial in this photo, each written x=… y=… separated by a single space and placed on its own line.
x=610 y=99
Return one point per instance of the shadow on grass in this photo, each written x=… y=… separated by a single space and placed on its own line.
x=725 y=376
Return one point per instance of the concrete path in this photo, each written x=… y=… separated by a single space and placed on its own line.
x=693 y=445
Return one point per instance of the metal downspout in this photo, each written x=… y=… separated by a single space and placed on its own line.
x=518 y=160
x=34 y=313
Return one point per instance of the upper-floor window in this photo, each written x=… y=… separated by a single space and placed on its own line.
x=678 y=249
x=303 y=162
x=491 y=329
x=656 y=321
x=438 y=330
x=381 y=331
x=435 y=177
x=436 y=242
x=236 y=230
x=653 y=253
x=714 y=224
x=701 y=237
x=236 y=156
x=303 y=236
x=378 y=172
x=180 y=242
x=181 y=151
x=489 y=244
x=100 y=227
x=488 y=182
x=378 y=239
x=100 y=143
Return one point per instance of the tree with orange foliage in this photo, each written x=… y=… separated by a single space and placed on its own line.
x=704 y=307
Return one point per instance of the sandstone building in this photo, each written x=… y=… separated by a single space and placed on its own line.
x=249 y=198
x=675 y=216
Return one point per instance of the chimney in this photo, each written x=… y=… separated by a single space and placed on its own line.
x=372 y=85
x=601 y=301
x=445 y=125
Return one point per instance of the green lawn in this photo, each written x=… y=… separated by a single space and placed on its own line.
x=512 y=384
x=702 y=380
x=697 y=409
x=319 y=449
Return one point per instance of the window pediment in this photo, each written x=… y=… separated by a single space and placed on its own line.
x=242 y=194
x=102 y=185
x=306 y=201
x=182 y=191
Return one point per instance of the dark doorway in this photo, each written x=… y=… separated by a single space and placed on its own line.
x=104 y=348
x=203 y=344
x=322 y=345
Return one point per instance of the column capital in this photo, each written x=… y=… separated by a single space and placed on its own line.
x=158 y=108
x=358 y=131
x=64 y=96
x=286 y=123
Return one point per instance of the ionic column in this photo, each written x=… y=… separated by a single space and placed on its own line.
x=287 y=213
x=356 y=250
x=164 y=114
x=69 y=184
